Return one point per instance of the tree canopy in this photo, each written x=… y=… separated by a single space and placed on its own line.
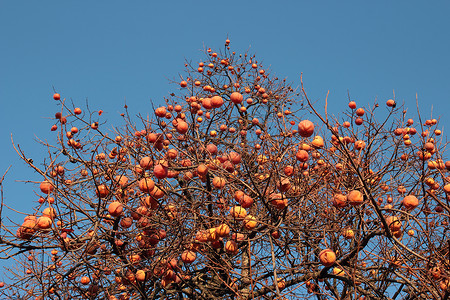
x=237 y=187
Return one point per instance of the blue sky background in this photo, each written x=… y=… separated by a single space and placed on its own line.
x=109 y=51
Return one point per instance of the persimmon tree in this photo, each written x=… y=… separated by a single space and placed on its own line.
x=237 y=187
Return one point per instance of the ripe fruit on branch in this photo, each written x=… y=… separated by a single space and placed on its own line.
x=317 y=141
x=246 y=201
x=28 y=228
x=182 y=126
x=250 y=222
x=140 y=275
x=234 y=157
x=202 y=170
x=306 y=128
x=394 y=223
x=327 y=257
x=275 y=234
x=85 y=280
x=201 y=236
x=115 y=209
x=236 y=98
x=156 y=193
x=231 y=247
x=410 y=202
x=211 y=234
x=206 y=103
x=46 y=187
x=355 y=198
x=102 y=191
x=219 y=182
x=49 y=212
x=122 y=180
x=160 y=171
x=284 y=185
x=56 y=96
x=429 y=147
x=446 y=188
x=126 y=222
x=146 y=185
x=281 y=283
x=338 y=271
x=44 y=222
x=212 y=149
x=216 y=101
x=302 y=155
x=278 y=200
x=289 y=170
x=146 y=163
x=160 y=112
x=222 y=230
x=339 y=200
x=238 y=212
x=188 y=256
x=359 y=145
x=360 y=112
x=171 y=153
x=348 y=233
x=390 y=103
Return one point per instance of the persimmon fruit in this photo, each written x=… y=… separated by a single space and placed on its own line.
x=306 y=128
x=327 y=257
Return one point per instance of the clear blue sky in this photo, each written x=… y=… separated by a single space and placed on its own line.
x=109 y=51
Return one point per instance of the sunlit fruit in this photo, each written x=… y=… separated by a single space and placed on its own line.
x=182 y=127
x=394 y=223
x=140 y=275
x=238 y=212
x=355 y=198
x=216 y=101
x=219 y=182
x=160 y=171
x=223 y=230
x=115 y=209
x=85 y=280
x=327 y=257
x=236 y=97
x=250 y=222
x=281 y=284
x=44 y=222
x=49 y=212
x=306 y=128
x=231 y=247
x=410 y=202
x=46 y=187
x=390 y=103
x=102 y=191
x=302 y=155
x=317 y=142
x=188 y=256
x=146 y=184
x=348 y=233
